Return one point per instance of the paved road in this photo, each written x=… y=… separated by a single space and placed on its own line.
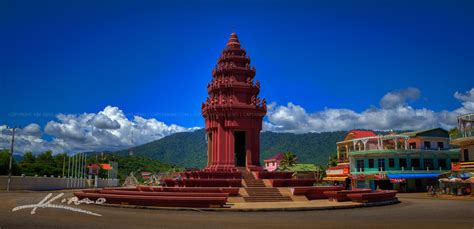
x=411 y=213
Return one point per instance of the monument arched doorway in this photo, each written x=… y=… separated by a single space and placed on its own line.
x=240 y=148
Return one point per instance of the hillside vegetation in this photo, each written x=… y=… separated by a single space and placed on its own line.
x=188 y=149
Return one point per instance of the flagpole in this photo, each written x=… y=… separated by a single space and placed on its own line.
x=68 y=170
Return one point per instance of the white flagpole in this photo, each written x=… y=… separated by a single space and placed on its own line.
x=73 y=165
x=84 y=170
x=77 y=169
x=68 y=169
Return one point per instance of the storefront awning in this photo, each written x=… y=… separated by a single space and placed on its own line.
x=412 y=175
x=335 y=178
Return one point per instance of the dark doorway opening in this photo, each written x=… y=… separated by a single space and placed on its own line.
x=384 y=184
x=239 y=148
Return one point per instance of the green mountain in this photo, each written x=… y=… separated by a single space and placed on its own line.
x=188 y=149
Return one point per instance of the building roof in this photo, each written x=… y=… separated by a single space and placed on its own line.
x=425 y=132
x=359 y=134
x=277 y=157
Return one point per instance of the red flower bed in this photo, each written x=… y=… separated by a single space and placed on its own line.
x=274 y=175
x=162 y=201
x=212 y=175
x=342 y=195
x=203 y=182
x=376 y=196
x=315 y=192
x=230 y=191
x=139 y=193
x=292 y=182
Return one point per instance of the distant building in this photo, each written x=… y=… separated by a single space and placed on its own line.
x=341 y=172
x=464 y=138
x=407 y=162
x=272 y=163
x=146 y=174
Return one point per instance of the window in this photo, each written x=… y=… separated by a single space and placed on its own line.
x=428 y=163
x=427 y=145
x=403 y=162
x=382 y=164
x=371 y=163
x=440 y=145
x=415 y=163
x=465 y=155
x=442 y=163
x=360 y=165
x=412 y=145
x=391 y=162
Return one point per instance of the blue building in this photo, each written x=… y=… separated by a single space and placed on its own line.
x=406 y=162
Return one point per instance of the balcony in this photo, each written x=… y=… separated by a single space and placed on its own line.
x=369 y=171
x=376 y=152
x=462 y=137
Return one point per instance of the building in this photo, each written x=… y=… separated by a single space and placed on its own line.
x=233 y=111
x=272 y=163
x=340 y=172
x=464 y=138
x=408 y=161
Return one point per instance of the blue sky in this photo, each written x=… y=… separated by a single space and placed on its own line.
x=154 y=59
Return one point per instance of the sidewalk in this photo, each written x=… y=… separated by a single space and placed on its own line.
x=324 y=204
x=424 y=195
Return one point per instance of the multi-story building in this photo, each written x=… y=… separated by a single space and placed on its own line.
x=408 y=161
x=464 y=138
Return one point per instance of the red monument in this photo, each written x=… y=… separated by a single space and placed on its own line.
x=233 y=111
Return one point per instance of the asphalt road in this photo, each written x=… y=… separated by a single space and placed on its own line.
x=411 y=213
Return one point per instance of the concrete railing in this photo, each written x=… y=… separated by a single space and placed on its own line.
x=53 y=183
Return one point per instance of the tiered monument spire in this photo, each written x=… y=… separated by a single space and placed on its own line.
x=233 y=111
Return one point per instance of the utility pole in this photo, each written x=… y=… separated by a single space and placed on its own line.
x=64 y=163
x=11 y=160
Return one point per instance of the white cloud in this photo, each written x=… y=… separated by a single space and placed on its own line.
x=109 y=129
x=467 y=101
x=399 y=98
x=394 y=113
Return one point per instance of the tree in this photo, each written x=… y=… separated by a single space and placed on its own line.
x=320 y=172
x=332 y=160
x=289 y=160
x=28 y=157
x=454 y=132
x=4 y=164
x=45 y=164
x=27 y=164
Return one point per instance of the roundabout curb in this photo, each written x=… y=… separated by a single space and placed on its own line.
x=322 y=208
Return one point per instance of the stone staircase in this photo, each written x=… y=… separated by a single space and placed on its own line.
x=258 y=192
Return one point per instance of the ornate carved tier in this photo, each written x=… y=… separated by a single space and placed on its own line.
x=233 y=111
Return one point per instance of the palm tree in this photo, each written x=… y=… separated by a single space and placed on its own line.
x=332 y=160
x=454 y=132
x=289 y=160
